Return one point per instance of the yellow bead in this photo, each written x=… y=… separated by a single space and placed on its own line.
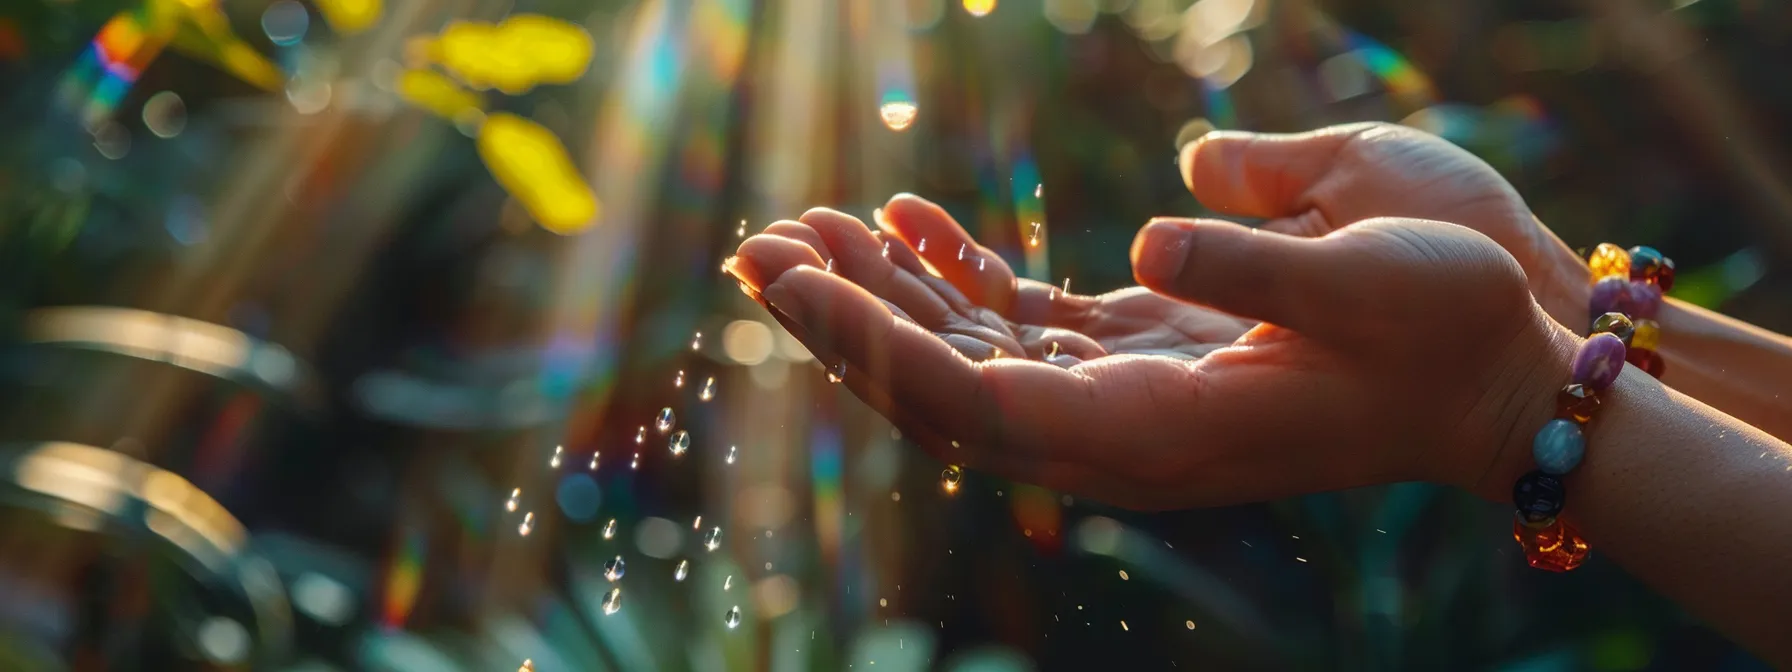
x=1647 y=335
x=1609 y=260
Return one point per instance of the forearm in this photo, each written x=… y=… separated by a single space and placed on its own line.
x=1736 y=367
x=1690 y=500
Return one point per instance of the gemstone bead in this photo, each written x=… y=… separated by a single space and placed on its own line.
x=1615 y=324
x=1610 y=295
x=1576 y=402
x=1643 y=300
x=1647 y=360
x=1599 y=362
x=1538 y=497
x=1555 y=547
x=1609 y=260
x=1665 y=279
x=1645 y=263
x=1647 y=336
x=1558 y=447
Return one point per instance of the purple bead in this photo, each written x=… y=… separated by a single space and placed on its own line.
x=1599 y=361
x=1610 y=295
x=1643 y=298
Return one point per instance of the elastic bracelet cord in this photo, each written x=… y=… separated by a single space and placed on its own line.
x=1627 y=294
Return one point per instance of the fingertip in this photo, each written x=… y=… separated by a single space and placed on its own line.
x=822 y=215
x=1160 y=251
x=763 y=257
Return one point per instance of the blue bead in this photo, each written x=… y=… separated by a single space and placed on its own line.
x=1558 y=447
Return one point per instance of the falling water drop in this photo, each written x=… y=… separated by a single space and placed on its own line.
x=697 y=524
x=712 y=539
x=679 y=443
x=615 y=568
x=742 y=231
x=678 y=381
x=728 y=582
x=664 y=422
x=636 y=462
x=1034 y=240
x=1189 y=624
x=528 y=666
x=554 y=462
x=594 y=461
x=683 y=570
x=610 y=528
x=709 y=390
x=528 y=524
x=837 y=372
x=898 y=115
x=731 y=451
x=1067 y=285
x=641 y=434
x=1123 y=576
x=961 y=247
x=733 y=617
x=950 y=478
x=613 y=601
x=922 y=247
x=1039 y=191
x=510 y=504
x=697 y=341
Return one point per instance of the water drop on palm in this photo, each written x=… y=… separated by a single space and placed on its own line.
x=712 y=539
x=680 y=442
x=961 y=252
x=615 y=568
x=886 y=249
x=613 y=601
x=665 y=420
x=950 y=478
x=610 y=528
x=528 y=524
x=733 y=618
x=922 y=247
x=683 y=570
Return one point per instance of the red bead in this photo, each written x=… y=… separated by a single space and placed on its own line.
x=1665 y=277
x=1576 y=402
x=1555 y=547
x=1647 y=360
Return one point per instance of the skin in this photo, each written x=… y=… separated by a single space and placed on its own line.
x=1401 y=349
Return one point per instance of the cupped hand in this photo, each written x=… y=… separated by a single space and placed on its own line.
x=1310 y=184
x=1399 y=347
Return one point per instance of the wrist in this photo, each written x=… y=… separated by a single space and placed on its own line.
x=1522 y=399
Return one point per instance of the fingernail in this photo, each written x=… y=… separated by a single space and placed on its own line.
x=1160 y=251
x=785 y=302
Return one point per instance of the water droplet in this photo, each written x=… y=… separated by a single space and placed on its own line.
x=615 y=568
x=1034 y=240
x=731 y=451
x=950 y=478
x=678 y=381
x=742 y=231
x=883 y=602
x=510 y=504
x=1053 y=296
x=830 y=268
x=594 y=461
x=981 y=261
x=666 y=419
x=554 y=462
x=886 y=249
x=697 y=341
x=165 y=114
x=697 y=524
x=680 y=442
x=898 y=115
x=1188 y=624
x=613 y=601
x=528 y=524
x=1038 y=191
x=837 y=372
x=683 y=570
x=1123 y=576
x=610 y=528
x=728 y=582
x=961 y=247
x=709 y=390
x=1123 y=626
x=1067 y=285
x=712 y=539
x=922 y=247
x=636 y=462
x=641 y=434
x=528 y=666
x=1054 y=352
x=733 y=617
x=895 y=496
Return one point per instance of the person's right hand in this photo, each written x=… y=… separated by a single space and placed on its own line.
x=1310 y=184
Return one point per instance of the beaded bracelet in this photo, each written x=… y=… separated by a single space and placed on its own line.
x=1626 y=286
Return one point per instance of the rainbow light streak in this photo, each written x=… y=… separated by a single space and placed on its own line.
x=1403 y=80
x=825 y=477
x=404 y=579
x=1218 y=106
x=105 y=71
x=1029 y=210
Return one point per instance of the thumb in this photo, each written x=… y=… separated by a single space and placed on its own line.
x=1263 y=175
x=1285 y=280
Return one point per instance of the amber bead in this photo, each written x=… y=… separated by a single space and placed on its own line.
x=1647 y=360
x=1576 y=402
x=1647 y=335
x=1615 y=324
x=1556 y=547
x=1609 y=260
x=1665 y=279
x=1645 y=263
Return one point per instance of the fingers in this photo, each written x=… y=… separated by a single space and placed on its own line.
x=765 y=256
x=859 y=257
x=1262 y=275
x=1262 y=174
x=1040 y=303
x=1002 y=405
x=802 y=232
x=973 y=269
